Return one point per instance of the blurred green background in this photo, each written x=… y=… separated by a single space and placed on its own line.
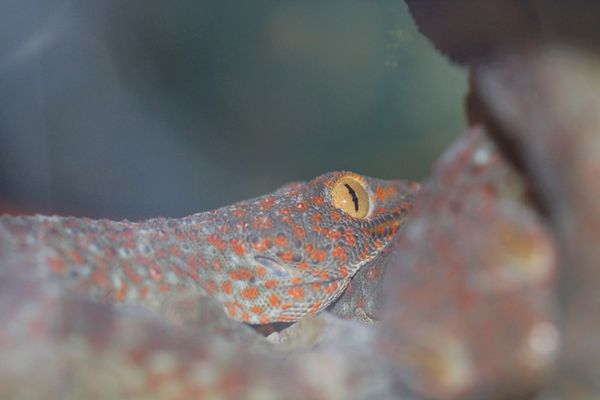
x=139 y=108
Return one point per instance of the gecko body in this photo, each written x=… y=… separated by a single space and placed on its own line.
x=278 y=257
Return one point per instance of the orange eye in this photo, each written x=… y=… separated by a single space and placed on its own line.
x=350 y=195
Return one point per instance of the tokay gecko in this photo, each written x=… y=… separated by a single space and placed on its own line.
x=275 y=258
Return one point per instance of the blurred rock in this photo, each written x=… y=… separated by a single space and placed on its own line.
x=546 y=104
x=79 y=349
x=469 y=30
x=470 y=306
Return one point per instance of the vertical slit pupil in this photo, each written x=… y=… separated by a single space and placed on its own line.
x=354 y=197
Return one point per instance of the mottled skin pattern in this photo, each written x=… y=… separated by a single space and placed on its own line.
x=274 y=258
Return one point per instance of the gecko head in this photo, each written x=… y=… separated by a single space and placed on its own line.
x=335 y=224
x=294 y=251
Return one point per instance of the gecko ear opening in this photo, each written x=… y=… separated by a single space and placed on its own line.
x=350 y=195
x=273 y=267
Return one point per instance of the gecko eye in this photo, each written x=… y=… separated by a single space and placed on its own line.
x=350 y=196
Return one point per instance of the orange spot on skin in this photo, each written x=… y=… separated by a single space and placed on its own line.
x=227 y=287
x=316 y=223
x=241 y=274
x=284 y=211
x=274 y=300
x=270 y=284
x=332 y=287
x=164 y=288
x=379 y=193
x=112 y=236
x=175 y=251
x=343 y=270
x=216 y=241
x=302 y=265
x=202 y=261
x=210 y=286
x=142 y=260
x=382 y=193
x=100 y=278
x=77 y=257
x=231 y=309
x=264 y=320
x=155 y=273
x=238 y=247
x=223 y=229
x=192 y=268
x=333 y=234
x=245 y=316
x=373 y=274
x=287 y=255
x=339 y=252
x=361 y=302
x=267 y=203
x=120 y=293
x=316 y=306
x=296 y=292
x=260 y=270
x=250 y=293
x=262 y=222
x=217 y=265
x=257 y=310
x=131 y=274
x=317 y=200
x=56 y=264
x=324 y=275
x=299 y=232
x=108 y=252
x=262 y=244
x=334 y=215
x=239 y=213
x=281 y=240
x=318 y=255
x=144 y=292
x=350 y=237
x=296 y=281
